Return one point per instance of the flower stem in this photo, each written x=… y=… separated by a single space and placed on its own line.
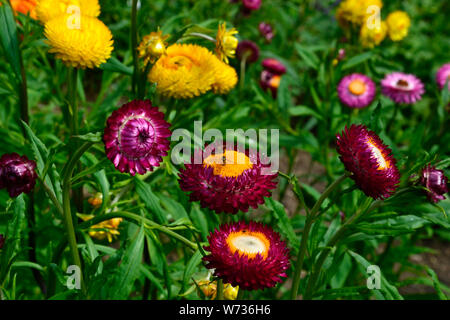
x=68 y=219
x=133 y=37
x=73 y=104
x=333 y=241
x=219 y=289
x=310 y=218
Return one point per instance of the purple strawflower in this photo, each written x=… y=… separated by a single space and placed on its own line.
x=266 y=31
x=443 y=75
x=247 y=49
x=270 y=81
x=274 y=66
x=136 y=137
x=356 y=90
x=435 y=181
x=2 y=241
x=251 y=5
x=402 y=88
x=17 y=174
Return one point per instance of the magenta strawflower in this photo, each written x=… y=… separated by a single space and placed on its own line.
x=250 y=256
x=136 y=137
x=443 y=75
x=370 y=160
x=274 y=66
x=251 y=5
x=436 y=183
x=266 y=30
x=402 y=88
x=356 y=90
x=227 y=180
x=247 y=49
x=17 y=174
x=270 y=81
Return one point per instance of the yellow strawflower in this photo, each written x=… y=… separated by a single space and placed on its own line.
x=398 y=23
x=209 y=289
x=49 y=9
x=85 y=46
x=226 y=42
x=188 y=70
x=107 y=229
x=372 y=36
x=152 y=46
x=355 y=11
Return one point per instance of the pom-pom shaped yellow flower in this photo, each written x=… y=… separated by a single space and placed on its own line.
x=188 y=70
x=152 y=46
x=107 y=229
x=398 y=23
x=84 y=45
x=372 y=35
x=49 y=9
x=356 y=11
x=226 y=42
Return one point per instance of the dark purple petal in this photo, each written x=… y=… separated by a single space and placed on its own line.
x=17 y=174
x=435 y=181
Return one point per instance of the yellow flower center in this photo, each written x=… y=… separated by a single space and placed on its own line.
x=180 y=61
x=357 y=87
x=228 y=164
x=376 y=152
x=248 y=243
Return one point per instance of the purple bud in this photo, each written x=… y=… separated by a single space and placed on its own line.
x=17 y=174
x=247 y=49
x=270 y=81
x=2 y=241
x=251 y=4
x=266 y=31
x=274 y=66
x=341 y=54
x=435 y=181
x=342 y=216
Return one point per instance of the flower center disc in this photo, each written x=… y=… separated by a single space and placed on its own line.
x=179 y=61
x=376 y=152
x=137 y=137
x=228 y=164
x=275 y=82
x=249 y=243
x=403 y=84
x=357 y=87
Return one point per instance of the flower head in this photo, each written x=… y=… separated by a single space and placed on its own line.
x=266 y=30
x=250 y=256
x=209 y=289
x=226 y=77
x=107 y=229
x=274 y=66
x=251 y=5
x=96 y=200
x=398 y=23
x=356 y=90
x=26 y=7
x=152 y=46
x=17 y=174
x=226 y=42
x=136 y=137
x=435 y=181
x=371 y=36
x=402 y=88
x=48 y=9
x=355 y=11
x=85 y=46
x=364 y=154
x=247 y=50
x=270 y=81
x=227 y=180
x=443 y=75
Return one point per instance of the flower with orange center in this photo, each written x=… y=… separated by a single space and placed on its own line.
x=250 y=256
x=356 y=90
x=369 y=159
x=228 y=180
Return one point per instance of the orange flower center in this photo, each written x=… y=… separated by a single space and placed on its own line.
x=228 y=164
x=248 y=243
x=179 y=61
x=357 y=87
x=275 y=81
x=376 y=152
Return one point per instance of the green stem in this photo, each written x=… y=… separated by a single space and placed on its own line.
x=68 y=219
x=394 y=115
x=243 y=66
x=219 y=289
x=313 y=214
x=24 y=115
x=330 y=245
x=200 y=35
x=134 y=36
x=73 y=104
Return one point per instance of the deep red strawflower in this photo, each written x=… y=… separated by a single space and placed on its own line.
x=274 y=66
x=249 y=50
x=270 y=81
x=227 y=180
x=266 y=31
x=436 y=183
x=17 y=174
x=250 y=256
x=136 y=137
x=373 y=167
x=2 y=241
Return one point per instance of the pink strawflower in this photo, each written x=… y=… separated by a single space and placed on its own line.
x=402 y=88
x=356 y=90
x=443 y=75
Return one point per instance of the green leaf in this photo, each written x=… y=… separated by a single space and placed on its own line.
x=436 y=283
x=304 y=111
x=91 y=136
x=151 y=200
x=358 y=59
x=115 y=65
x=191 y=267
x=283 y=222
x=309 y=57
x=9 y=40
